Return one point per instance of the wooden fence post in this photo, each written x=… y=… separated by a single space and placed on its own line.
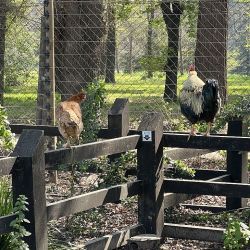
x=150 y=171
x=118 y=121
x=28 y=178
x=237 y=164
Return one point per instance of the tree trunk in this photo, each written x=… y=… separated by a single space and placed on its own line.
x=117 y=60
x=41 y=112
x=181 y=67
x=110 y=47
x=79 y=28
x=172 y=15
x=129 y=64
x=211 y=47
x=3 y=14
x=150 y=40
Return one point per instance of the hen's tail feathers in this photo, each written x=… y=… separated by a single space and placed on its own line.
x=211 y=95
x=211 y=89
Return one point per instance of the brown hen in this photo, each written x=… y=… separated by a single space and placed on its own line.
x=69 y=118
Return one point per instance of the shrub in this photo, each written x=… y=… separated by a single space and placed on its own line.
x=12 y=241
x=237 y=235
x=180 y=170
x=234 y=110
x=91 y=111
x=7 y=139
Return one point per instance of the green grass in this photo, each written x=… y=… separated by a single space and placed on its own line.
x=144 y=94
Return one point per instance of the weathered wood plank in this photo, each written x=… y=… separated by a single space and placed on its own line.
x=118 y=121
x=92 y=200
x=6 y=165
x=91 y=150
x=150 y=166
x=215 y=142
x=207 y=174
x=181 y=153
x=213 y=209
x=5 y=223
x=48 y=130
x=237 y=164
x=173 y=199
x=114 y=240
x=207 y=188
x=193 y=232
x=203 y=174
x=28 y=178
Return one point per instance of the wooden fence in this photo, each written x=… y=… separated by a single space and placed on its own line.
x=28 y=163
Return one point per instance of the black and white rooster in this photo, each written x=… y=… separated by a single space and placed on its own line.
x=199 y=101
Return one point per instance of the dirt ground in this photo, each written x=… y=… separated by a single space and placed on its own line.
x=72 y=232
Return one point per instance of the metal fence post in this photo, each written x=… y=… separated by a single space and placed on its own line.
x=150 y=171
x=28 y=178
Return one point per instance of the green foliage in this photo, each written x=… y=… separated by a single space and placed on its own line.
x=17 y=242
x=180 y=170
x=190 y=15
x=5 y=196
x=111 y=173
x=22 y=45
x=153 y=63
x=235 y=110
x=237 y=235
x=114 y=172
x=7 y=140
x=91 y=111
x=13 y=241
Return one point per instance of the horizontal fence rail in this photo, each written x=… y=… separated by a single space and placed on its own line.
x=48 y=130
x=193 y=232
x=207 y=188
x=6 y=165
x=5 y=223
x=115 y=240
x=212 y=209
x=91 y=150
x=92 y=200
x=174 y=198
x=233 y=143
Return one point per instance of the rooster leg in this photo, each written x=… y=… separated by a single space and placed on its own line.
x=192 y=132
x=78 y=140
x=209 y=125
x=67 y=145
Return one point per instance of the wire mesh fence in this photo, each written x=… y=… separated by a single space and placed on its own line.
x=133 y=49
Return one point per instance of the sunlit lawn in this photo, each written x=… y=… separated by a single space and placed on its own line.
x=144 y=94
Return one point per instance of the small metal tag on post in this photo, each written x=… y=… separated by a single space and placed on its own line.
x=146 y=135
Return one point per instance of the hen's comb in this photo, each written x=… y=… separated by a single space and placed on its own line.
x=191 y=67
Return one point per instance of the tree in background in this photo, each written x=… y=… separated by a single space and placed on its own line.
x=150 y=18
x=79 y=28
x=172 y=15
x=110 y=45
x=3 y=17
x=211 y=46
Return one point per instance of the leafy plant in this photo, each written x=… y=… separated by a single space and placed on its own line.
x=237 y=235
x=180 y=170
x=13 y=241
x=114 y=172
x=17 y=242
x=7 y=139
x=237 y=109
x=91 y=111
